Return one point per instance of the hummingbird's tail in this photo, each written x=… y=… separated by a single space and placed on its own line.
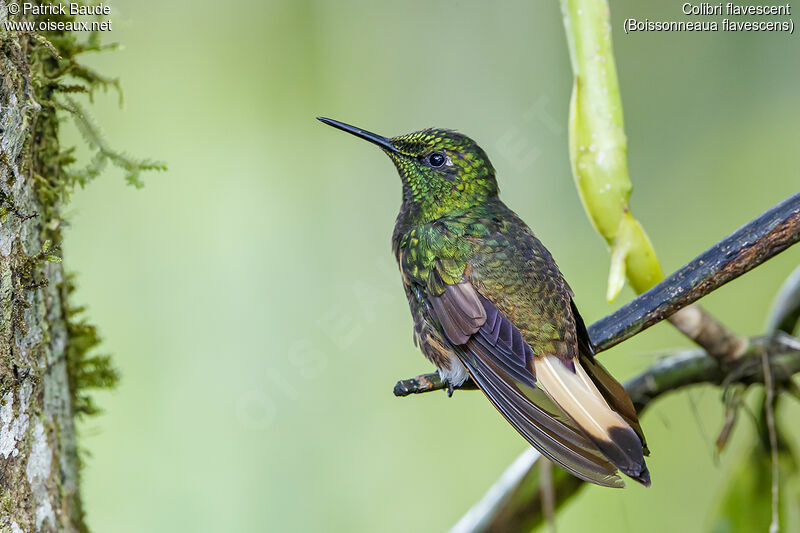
x=576 y=393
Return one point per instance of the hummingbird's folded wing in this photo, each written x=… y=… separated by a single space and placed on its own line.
x=500 y=363
x=537 y=419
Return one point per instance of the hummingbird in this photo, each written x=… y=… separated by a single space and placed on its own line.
x=489 y=303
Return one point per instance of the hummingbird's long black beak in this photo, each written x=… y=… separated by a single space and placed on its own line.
x=383 y=142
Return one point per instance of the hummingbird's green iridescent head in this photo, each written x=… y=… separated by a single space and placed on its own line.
x=443 y=171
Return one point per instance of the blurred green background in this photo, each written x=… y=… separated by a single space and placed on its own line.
x=250 y=298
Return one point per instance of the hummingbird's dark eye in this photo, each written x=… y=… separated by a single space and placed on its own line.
x=436 y=159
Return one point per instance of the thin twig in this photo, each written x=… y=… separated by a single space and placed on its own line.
x=769 y=403
x=708 y=332
x=732 y=398
x=426 y=383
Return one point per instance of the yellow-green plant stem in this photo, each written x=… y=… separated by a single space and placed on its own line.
x=598 y=147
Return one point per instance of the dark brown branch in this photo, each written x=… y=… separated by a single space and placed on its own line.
x=738 y=253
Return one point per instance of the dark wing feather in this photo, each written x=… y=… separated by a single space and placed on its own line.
x=460 y=311
x=611 y=389
x=547 y=430
x=500 y=362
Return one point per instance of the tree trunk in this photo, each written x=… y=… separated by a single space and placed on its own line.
x=38 y=453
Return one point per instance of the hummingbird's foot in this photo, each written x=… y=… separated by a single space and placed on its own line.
x=450 y=390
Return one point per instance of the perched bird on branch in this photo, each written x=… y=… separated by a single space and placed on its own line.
x=489 y=302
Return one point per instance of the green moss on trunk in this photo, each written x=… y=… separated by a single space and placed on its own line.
x=48 y=362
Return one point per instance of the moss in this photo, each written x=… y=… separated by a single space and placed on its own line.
x=46 y=72
x=52 y=77
x=44 y=83
x=56 y=78
x=85 y=369
x=6 y=504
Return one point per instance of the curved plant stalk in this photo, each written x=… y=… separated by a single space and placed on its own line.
x=599 y=159
x=598 y=147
